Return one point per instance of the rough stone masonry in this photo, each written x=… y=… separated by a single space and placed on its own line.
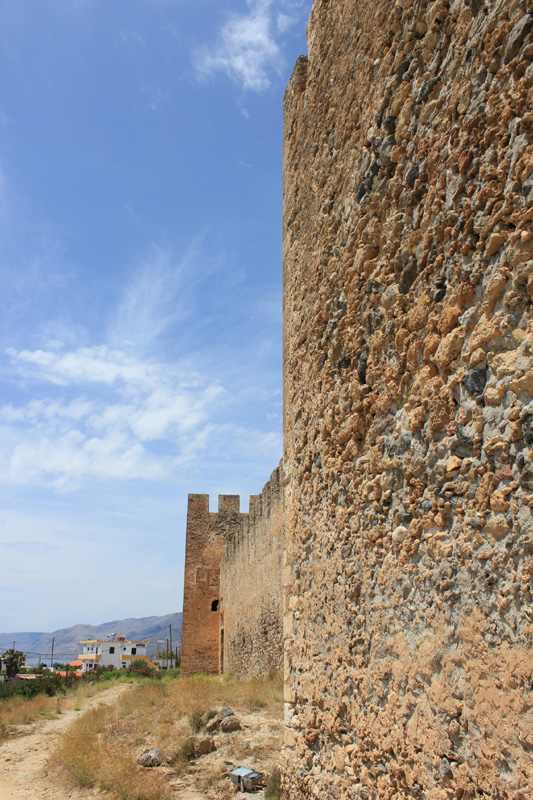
x=233 y=598
x=208 y=535
x=408 y=372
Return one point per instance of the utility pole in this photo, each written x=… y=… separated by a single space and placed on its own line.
x=170 y=626
x=52 y=656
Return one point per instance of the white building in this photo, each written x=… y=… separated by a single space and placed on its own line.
x=117 y=653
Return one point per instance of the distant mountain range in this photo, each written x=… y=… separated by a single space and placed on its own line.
x=38 y=645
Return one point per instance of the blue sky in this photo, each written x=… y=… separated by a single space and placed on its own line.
x=140 y=312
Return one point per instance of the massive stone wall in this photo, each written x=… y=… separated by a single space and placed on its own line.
x=409 y=401
x=250 y=579
x=208 y=534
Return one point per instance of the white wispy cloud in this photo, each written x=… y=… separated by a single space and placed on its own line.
x=129 y=419
x=147 y=423
x=97 y=364
x=248 y=442
x=285 y=22
x=249 y=46
x=147 y=402
x=63 y=462
x=155 y=297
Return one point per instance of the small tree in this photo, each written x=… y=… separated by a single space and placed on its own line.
x=14 y=660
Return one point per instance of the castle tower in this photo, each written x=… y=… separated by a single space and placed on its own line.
x=207 y=537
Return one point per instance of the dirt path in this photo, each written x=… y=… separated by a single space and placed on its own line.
x=23 y=759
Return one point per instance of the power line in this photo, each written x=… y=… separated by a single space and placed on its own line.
x=46 y=655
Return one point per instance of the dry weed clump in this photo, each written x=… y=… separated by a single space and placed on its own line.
x=202 y=693
x=23 y=711
x=216 y=782
x=102 y=747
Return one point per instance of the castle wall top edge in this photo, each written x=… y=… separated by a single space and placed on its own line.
x=298 y=79
x=226 y=502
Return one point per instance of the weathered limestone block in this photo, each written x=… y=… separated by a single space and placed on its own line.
x=204 y=745
x=230 y=723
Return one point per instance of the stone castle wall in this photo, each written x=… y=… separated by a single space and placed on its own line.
x=208 y=534
x=250 y=577
x=408 y=391
x=232 y=607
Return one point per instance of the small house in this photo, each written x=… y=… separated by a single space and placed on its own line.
x=118 y=653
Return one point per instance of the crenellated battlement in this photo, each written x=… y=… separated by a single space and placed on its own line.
x=208 y=534
x=298 y=79
x=198 y=503
x=232 y=588
x=226 y=503
x=269 y=497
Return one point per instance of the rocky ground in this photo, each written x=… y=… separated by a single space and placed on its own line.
x=25 y=756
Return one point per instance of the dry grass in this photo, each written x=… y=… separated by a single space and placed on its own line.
x=216 y=783
x=201 y=693
x=99 y=750
x=19 y=711
x=102 y=747
x=23 y=711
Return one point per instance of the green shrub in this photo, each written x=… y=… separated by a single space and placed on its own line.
x=49 y=684
x=98 y=674
x=140 y=667
x=173 y=673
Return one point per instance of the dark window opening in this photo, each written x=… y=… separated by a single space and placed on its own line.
x=133 y=651
x=111 y=649
x=214 y=605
